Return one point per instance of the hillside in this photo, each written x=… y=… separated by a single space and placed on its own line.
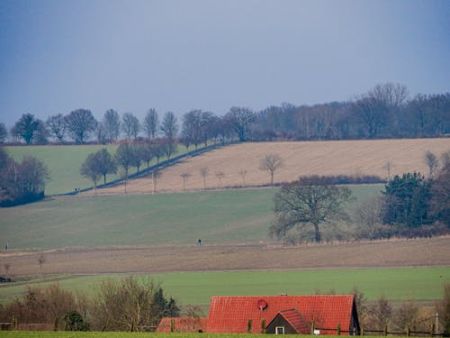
x=64 y=163
x=359 y=157
x=218 y=217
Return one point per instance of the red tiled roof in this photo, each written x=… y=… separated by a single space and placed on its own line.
x=232 y=314
x=295 y=319
x=182 y=324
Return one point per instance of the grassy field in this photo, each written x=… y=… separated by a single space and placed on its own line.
x=356 y=157
x=64 y=162
x=232 y=216
x=396 y=284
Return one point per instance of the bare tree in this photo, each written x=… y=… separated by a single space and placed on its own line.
x=100 y=132
x=169 y=126
x=376 y=107
x=130 y=125
x=406 y=316
x=124 y=158
x=432 y=162
x=111 y=123
x=380 y=313
x=26 y=128
x=185 y=176
x=369 y=211
x=240 y=120
x=151 y=123
x=243 y=174
x=220 y=175
x=271 y=163
x=308 y=202
x=80 y=123
x=57 y=126
x=204 y=173
x=89 y=169
x=105 y=163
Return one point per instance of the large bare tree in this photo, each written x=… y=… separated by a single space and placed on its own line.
x=308 y=203
x=80 y=123
x=56 y=125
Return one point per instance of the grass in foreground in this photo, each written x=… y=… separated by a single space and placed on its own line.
x=217 y=217
x=396 y=284
x=47 y=334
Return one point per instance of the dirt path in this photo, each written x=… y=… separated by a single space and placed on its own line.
x=417 y=252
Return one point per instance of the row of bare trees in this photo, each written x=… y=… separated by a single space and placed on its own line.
x=128 y=154
x=386 y=110
x=270 y=163
x=129 y=304
x=80 y=126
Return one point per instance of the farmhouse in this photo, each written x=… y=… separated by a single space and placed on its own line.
x=323 y=314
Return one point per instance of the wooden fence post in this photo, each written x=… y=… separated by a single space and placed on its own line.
x=362 y=330
x=385 y=330
x=408 y=331
x=338 y=329
x=172 y=325
x=312 y=327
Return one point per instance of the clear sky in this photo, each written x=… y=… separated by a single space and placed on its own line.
x=60 y=55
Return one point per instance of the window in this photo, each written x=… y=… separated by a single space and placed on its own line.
x=279 y=330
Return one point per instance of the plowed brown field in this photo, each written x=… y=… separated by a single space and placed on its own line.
x=358 y=157
x=389 y=253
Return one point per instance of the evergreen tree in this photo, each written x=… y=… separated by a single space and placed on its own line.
x=407 y=200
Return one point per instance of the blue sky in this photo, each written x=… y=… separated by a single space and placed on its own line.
x=59 y=55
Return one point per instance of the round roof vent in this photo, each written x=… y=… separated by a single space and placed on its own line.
x=262 y=304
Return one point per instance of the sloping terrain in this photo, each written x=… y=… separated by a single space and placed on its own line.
x=226 y=166
x=232 y=216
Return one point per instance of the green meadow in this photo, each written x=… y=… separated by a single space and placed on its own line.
x=396 y=284
x=64 y=163
x=230 y=216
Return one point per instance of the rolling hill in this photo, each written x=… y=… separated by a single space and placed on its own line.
x=226 y=166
